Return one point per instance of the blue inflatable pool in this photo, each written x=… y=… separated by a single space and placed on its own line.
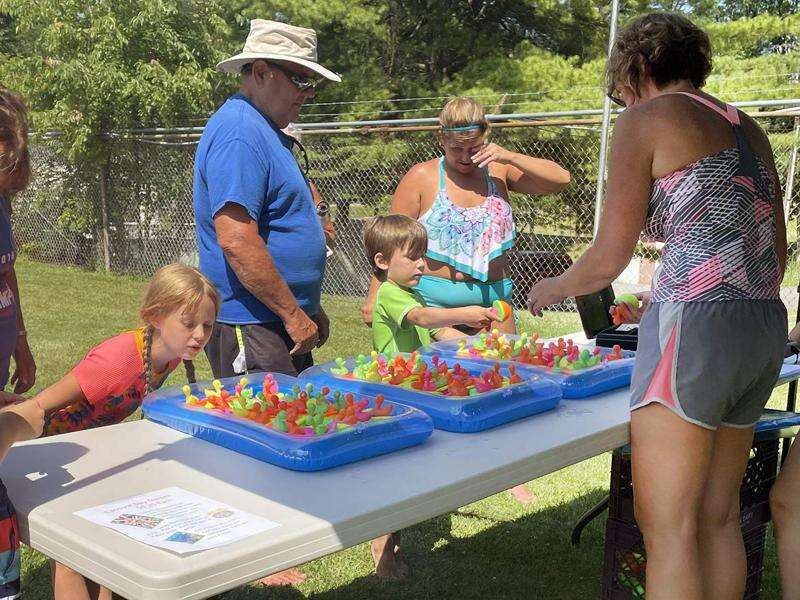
x=463 y=414
x=574 y=384
x=404 y=427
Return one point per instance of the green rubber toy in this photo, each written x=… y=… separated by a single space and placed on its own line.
x=627 y=299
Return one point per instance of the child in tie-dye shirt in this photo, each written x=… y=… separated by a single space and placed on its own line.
x=108 y=385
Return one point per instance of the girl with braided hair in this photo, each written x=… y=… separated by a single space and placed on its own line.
x=108 y=385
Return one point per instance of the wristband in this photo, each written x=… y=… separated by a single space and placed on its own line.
x=22 y=333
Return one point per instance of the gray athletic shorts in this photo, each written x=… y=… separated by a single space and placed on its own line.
x=266 y=348
x=712 y=363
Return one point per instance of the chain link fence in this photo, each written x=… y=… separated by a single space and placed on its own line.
x=134 y=213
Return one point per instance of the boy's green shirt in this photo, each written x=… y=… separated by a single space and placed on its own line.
x=391 y=332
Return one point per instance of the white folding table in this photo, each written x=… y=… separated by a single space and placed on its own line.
x=51 y=478
x=319 y=513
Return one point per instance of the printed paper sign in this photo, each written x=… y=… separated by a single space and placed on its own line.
x=177 y=520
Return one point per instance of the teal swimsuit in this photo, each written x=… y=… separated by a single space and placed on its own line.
x=467 y=239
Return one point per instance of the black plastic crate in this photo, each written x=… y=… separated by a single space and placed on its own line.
x=754 y=516
x=625 y=561
x=754 y=542
x=762 y=469
x=760 y=474
x=620 y=501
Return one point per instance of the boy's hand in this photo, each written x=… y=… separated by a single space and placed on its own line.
x=477 y=317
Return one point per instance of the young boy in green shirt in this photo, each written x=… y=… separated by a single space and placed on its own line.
x=401 y=322
x=395 y=245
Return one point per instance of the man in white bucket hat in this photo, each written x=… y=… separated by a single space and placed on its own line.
x=270 y=40
x=259 y=238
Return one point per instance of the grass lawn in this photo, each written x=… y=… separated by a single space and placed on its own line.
x=494 y=548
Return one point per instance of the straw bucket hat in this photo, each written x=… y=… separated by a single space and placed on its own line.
x=271 y=40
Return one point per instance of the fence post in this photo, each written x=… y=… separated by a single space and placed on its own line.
x=790 y=173
x=601 y=170
x=104 y=237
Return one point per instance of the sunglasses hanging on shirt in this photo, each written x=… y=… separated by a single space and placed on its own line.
x=323 y=207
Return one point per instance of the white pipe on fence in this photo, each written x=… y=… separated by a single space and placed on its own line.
x=789 y=102
x=601 y=169
x=790 y=173
x=519 y=116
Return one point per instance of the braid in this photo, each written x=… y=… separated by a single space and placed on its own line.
x=148 y=362
x=188 y=366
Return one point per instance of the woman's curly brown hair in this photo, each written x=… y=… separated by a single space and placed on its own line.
x=15 y=167
x=664 y=46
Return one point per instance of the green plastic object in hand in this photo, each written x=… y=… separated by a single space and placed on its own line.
x=627 y=299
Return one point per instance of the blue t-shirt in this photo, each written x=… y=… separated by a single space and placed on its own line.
x=8 y=303
x=244 y=158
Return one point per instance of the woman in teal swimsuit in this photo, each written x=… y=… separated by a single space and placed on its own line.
x=462 y=200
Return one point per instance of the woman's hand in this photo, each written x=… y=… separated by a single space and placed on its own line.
x=627 y=313
x=492 y=153
x=545 y=293
x=24 y=367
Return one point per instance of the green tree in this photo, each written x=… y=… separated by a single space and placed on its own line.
x=89 y=68
x=737 y=9
x=388 y=49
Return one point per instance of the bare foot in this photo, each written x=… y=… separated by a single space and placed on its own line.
x=522 y=494
x=287 y=577
x=389 y=561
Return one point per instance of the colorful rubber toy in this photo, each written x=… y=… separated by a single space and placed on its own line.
x=414 y=373
x=502 y=308
x=621 y=313
x=302 y=412
x=627 y=299
x=563 y=355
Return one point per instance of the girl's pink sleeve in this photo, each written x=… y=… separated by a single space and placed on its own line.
x=107 y=370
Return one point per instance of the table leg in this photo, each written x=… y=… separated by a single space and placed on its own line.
x=587 y=518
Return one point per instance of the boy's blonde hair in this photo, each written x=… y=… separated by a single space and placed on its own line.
x=173 y=287
x=463 y=119
x=390 y=233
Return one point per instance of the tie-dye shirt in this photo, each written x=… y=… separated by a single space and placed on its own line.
x=468 y=239
x=112 y=378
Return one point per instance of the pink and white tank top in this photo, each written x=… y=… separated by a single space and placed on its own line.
x=716 y=218
x=468 y=239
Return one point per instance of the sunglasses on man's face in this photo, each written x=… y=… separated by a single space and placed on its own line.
x=301 y=82
x=617 y=100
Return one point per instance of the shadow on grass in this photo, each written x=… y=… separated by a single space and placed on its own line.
x=35 y=576
x=528 y=557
